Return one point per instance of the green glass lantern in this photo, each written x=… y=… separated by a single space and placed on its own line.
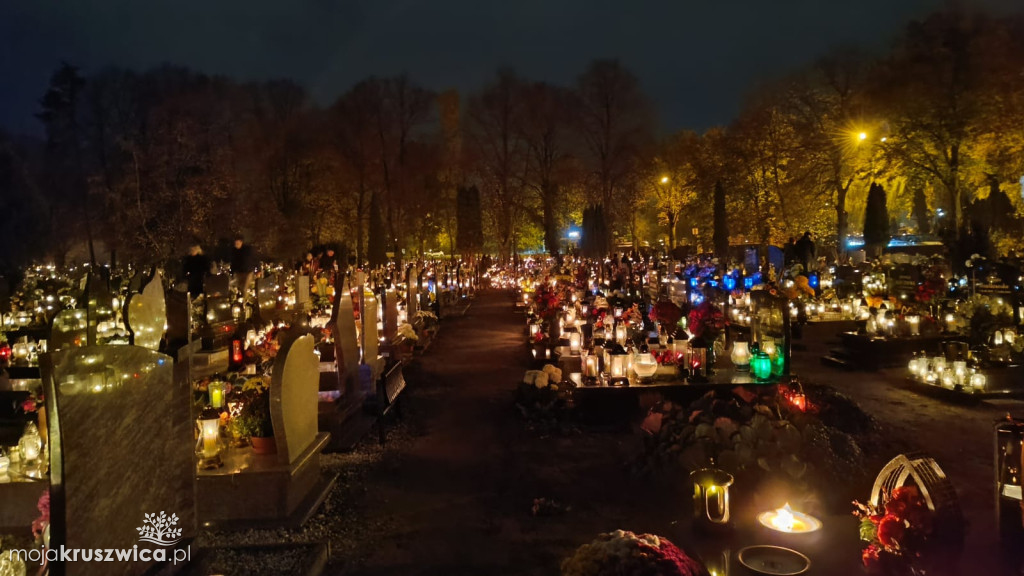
x=761 y=366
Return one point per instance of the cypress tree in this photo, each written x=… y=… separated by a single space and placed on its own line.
x=876 y=220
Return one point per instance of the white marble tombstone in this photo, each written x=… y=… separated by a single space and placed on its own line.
x=147 y=314
x=345 y=342
x=371 y=338
x=301 y=292
x=293 y=397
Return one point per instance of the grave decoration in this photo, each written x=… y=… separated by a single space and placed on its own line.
x=147 y=314
x=280 y=484
x=912 y=523
x=625 y=553
x=758 y=433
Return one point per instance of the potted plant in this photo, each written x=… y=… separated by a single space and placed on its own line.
x=253 y=420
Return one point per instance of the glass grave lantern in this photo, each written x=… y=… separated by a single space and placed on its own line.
x=711 y=498
x=740 y=355
x=618 y=374
x=575 y=342
x=761 y=366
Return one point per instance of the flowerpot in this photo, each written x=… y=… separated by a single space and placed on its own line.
x=261 y=445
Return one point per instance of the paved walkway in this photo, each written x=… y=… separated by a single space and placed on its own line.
x=456 y=499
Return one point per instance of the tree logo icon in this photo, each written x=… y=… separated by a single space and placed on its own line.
x=159 y=529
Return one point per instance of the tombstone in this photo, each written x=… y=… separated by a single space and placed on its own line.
x=371 y=338
x=266 y=299
x=218 y=320
x=903 y=280
x=98 y=305
x=114 y=459
x=390 y=314
x=147 y=314
x=178 y=307
x=345 y=344
x=302 y=301
x=412 y=298
x=771 y=322
x=294 y=387
x=69 y=330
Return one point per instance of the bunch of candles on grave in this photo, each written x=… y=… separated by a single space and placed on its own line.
x=958 y=375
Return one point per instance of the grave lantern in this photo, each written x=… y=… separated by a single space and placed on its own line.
x=617 y=375
x=711 y=497
x=620 y=333
x=575 y=342
x=216 y=389
x=761 y=365
x=740 y=355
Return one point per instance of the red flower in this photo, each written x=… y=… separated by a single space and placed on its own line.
x=890 y=531
x=870 y=555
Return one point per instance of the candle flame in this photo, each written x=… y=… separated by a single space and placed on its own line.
x=783 y=519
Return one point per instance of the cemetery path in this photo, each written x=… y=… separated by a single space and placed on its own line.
x=457 y=499
x=452 y=493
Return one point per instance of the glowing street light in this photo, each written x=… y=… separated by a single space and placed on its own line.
x=664 y=179
x=862 y=136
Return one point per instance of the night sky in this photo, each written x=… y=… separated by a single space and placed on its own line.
x=694 y=59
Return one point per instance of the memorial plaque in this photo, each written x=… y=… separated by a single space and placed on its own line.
x=121 y=449
x=147 y=314
x=294 y=387
x=903 y=281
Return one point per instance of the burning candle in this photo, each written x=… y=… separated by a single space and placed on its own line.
x=211 y=434
x=216 y=390
x=575 y=341
x=787 y=520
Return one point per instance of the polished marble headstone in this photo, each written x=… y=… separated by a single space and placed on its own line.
x=147 y=314
x=412 y=298
x=390 y=314
x=266 y=298
x=371 y=342
x=345 y=343
x=294 y=389
x=121 y=448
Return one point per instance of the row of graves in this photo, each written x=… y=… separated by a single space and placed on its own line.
x=720 y=405
x=956 y=335
x=608 y=329
x=133 y=414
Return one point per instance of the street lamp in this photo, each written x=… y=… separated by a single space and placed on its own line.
x=862 y=136
x=664 y=179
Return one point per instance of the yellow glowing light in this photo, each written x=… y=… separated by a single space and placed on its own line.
x=863 y=136
x=664 y=179
x=785 y=519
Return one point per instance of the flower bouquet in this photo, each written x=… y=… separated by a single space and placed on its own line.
x=623 y=553
x=897 y=532
x=667 y=314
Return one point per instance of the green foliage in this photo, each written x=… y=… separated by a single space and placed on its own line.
x=721 y=222
x=469 y=231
